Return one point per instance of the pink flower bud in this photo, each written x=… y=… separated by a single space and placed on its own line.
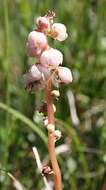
x=43 y=23
x=51 y=58
x=59 y=31
x=36 y=43
x=65 y=75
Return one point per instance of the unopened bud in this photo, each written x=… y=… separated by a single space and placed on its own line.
x=51 y=127
x=57 y=134
x=47 y=171
x=55 y=93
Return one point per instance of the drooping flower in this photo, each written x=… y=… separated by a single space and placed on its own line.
x=36 y=43
x=59 y=31
x=33 y=75
x=33 y=79
x=36 y=77
x=51 y=58
x=64 y=75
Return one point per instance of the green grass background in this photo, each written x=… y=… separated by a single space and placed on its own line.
x=83 y=166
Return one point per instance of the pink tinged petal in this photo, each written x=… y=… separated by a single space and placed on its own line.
x=60 y=31
x=32 y=51
x=65 y=75
x=59 y=27
x=33 y=79
x=43 y=23
x=61 y=37
x=36 y=42
x=51 y=58
x=44 y=71
x=35 y=73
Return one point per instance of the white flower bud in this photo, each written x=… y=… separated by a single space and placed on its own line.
x=55 y=93
x=46 y=122
x=57 y=134
x=51 y=127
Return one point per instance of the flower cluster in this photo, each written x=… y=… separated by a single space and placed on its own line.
x=49 y=59
x=48 y=71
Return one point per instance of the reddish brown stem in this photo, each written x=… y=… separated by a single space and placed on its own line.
x=51 y=139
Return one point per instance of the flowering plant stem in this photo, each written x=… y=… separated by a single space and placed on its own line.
x=40 y=75
x=51 y=138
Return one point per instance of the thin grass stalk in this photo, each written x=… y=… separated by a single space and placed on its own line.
x=7 y=97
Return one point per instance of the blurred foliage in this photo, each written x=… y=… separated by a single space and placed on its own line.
x=83 y=166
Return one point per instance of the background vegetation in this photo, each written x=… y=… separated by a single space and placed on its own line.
x=83 y=165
